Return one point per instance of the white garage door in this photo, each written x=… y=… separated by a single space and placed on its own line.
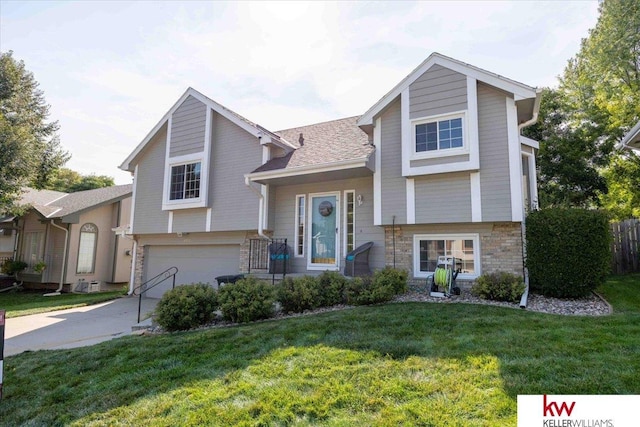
x=195 y=264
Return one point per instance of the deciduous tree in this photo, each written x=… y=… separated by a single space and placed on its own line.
x=29 y=145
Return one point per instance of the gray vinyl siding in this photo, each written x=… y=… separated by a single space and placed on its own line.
x=443 y=198
x=148 y=215
x=494 y=155
x=439 y=161
x=438 y=91
x=365 y=231
x=234 y=152
x=394 y=189
x=189 y=220
x=272 y=208
x=188 y=128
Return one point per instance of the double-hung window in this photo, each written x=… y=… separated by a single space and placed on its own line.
x=185 y=181
x=465 y=248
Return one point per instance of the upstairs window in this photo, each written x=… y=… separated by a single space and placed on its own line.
x=439 y=135
x=185 y=181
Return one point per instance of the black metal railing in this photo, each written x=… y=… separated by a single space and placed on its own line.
x=258 y=254
x=272 y=255
x=152 y=283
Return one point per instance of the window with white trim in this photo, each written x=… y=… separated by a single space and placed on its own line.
x=185 y=181
x=465 y=248
x=300 y=216
x=439 y=135
x=87 y=249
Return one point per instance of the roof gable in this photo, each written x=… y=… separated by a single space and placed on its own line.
x=258 y=131
x=519 y=90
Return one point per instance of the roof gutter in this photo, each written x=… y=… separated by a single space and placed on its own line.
x=64 y=260
x=309 y=169
x=524 y=299
x=536 y=110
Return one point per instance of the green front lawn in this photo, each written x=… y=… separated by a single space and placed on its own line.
x=22 y=303
x=394 y=364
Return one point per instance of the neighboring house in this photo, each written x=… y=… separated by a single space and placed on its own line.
x=72 y=234
x=632 y=139
x=436 y=167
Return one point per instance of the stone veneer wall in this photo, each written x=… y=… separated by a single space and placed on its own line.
x=500 y=249
x=244 y=250
x=139 y=268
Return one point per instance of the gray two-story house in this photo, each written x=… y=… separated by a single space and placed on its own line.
x=437 y=167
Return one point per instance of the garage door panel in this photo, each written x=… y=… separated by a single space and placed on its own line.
x=195 y=264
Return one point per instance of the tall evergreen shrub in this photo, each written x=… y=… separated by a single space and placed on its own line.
x=568 y=251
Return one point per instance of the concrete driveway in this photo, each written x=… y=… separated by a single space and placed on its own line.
x=74 y=327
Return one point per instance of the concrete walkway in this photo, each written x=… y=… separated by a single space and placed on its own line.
x=74 y=327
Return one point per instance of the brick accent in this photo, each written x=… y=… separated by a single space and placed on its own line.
x=139 y=267
x=500 y=249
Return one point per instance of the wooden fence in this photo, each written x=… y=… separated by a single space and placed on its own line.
x=625 y=248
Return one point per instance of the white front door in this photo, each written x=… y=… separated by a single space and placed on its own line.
x=324 y=244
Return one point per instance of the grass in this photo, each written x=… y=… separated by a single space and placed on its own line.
x=22 y=303
x=387 y=365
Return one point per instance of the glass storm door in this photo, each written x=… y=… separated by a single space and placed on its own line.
x=323 y=253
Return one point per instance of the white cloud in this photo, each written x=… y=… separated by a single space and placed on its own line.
x=112 y=69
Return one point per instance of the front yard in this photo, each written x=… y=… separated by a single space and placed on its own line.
x=22 y=303
x=393 y=364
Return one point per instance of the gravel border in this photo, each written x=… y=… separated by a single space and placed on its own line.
x=593 y=305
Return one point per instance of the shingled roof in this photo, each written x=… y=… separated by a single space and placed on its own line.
x=322 y=143
x=54 y=204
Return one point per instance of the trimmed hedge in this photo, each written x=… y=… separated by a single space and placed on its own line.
x=298 y=294
x=331 y=288
x=568 y=251
x=379 y=288
x=187 y=307
x=247 y=300
x=499 y=286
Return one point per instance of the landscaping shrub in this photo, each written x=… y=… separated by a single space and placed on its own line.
x=187 y=307
x=499 y=286
x=11 y=267
x=396 y=279
x=365 y=291
x=298 y=294
x=246 y=300
x=568 y=251
x=331 y=288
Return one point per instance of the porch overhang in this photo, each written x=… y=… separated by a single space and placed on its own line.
x=347 y=169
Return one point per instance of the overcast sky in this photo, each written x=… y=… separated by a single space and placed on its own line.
x=111 y=70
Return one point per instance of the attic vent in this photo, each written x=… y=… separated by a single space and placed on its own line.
x=301 y=139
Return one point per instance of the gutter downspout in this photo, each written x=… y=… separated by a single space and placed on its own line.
x=64 y=260
x=534 y=118
x=247 y=182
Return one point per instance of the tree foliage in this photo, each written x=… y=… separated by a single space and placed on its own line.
x=29 y=146
x=568 y=159
x=70 y=181
x=597 y=101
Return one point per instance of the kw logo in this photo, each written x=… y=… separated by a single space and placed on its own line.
x=548 y=408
